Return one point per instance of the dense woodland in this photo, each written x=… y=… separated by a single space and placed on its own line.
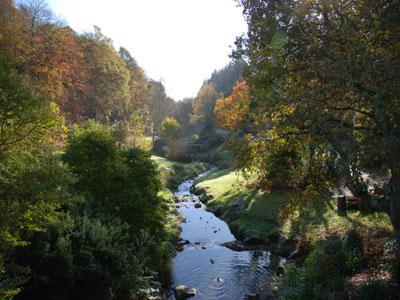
x=308 y=108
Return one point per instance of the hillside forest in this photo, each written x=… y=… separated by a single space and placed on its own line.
x=303 y=125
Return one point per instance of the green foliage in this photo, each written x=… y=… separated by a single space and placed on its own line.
x=324 y=270
x=170 y=129
x=93 y=157
x=123 y=182
x=173 y=173
x=159 y=147
x=203 y=106
x=136 y=201
x=320 y=277
x=33 y=189
x=85 y=258
x=336 y=94
x=98 y=235
x=25 y=117
x=108 y=77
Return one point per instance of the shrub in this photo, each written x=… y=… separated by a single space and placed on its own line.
x=177 y=150
x=321 y=275
x=83 y=257
x=170 y=129
x=159 y=147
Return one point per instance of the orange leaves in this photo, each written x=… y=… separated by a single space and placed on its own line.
x=229 y=112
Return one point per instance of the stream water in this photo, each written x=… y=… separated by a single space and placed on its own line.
x=215 y=271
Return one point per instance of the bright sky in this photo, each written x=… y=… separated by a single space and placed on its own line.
x=177 y=41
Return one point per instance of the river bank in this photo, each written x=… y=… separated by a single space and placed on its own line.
x=206 y=268
x=305 y=234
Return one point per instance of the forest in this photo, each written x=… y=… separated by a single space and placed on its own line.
x=301 y=132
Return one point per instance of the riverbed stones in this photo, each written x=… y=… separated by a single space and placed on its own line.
x=197 y=205
x=280 y=269
x=183 y=242
x=183 y=292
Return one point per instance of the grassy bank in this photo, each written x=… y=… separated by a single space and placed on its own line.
x=252 y=214
x=337 y=257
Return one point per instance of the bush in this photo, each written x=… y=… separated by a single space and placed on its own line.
x=177 y=150
x=170 y=129
x=83 y=257
x=122 y=182
x=324 y=270
x=33 y=189
x=160 y=147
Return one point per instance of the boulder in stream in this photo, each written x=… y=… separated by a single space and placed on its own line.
x=183 y=292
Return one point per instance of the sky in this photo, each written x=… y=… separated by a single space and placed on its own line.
x=179 y=42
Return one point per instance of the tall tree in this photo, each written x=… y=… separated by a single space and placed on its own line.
x=183 y=112
x=160 y=106
x=231 y=111
x=108 y=95
x=224 y=79
x=330 y=70
x=203 y=105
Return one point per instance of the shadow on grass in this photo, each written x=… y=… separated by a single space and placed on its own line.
x=252 y=213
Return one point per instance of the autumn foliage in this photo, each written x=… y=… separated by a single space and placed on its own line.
x=230 y=111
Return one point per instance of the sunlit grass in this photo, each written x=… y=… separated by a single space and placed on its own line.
x=262 y=214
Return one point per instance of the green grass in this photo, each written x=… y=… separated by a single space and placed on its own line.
x=262 y=215
x=162 y=162
x=320 y=218
x=174 y=173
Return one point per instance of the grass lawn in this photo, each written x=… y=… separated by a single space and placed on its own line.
x=250 y=213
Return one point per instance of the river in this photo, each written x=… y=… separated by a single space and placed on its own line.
x=215 y=271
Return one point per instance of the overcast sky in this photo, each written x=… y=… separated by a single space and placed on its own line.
x=177 y=41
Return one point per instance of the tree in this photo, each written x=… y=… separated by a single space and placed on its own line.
x=170 y=129
x=24 y=117
x=231 y=111
x=224 y=79
x=203 y=105
x=108 y=94
x=137 y=83
x=329 y=70
x=182 y=113
x=122 y=182
x=160 y=106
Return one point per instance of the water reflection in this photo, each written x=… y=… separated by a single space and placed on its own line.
x=215 y=271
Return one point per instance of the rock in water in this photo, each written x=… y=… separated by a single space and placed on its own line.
x=197 y=205
x=251 y=296
x=183 y=292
